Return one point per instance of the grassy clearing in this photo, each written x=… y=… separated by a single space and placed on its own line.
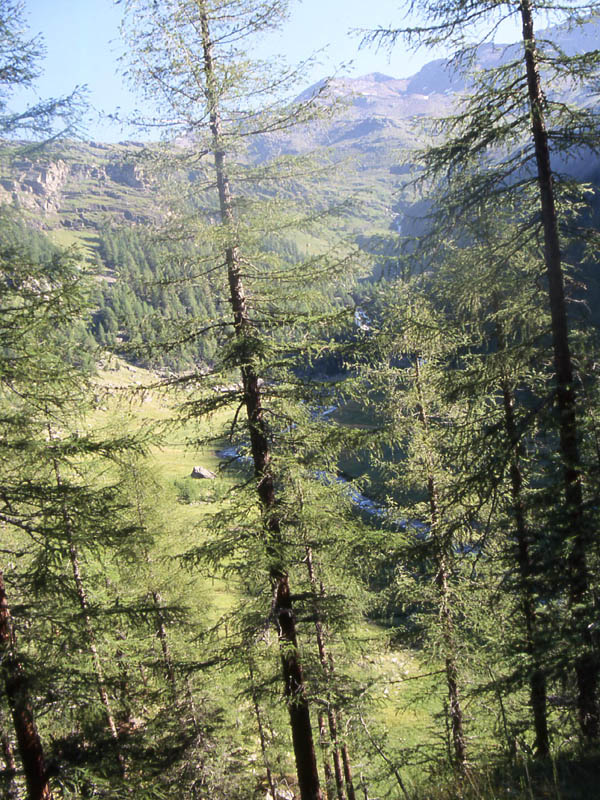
x=85 y=240
x=406 y=694
x=134 y=396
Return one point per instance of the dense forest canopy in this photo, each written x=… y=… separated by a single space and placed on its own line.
x=299 y=409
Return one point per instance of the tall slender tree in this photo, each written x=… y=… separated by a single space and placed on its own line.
x=193 y=53
x=36 y=299
x=504 y=138
x=480 y=280
x=407 y=353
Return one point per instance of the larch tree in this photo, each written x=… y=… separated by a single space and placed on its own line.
x=400 y=369
x=194 y=55
x=503 y=140
x=44 y=297
x=485 y=279
x=38 y=301
x=54 y=495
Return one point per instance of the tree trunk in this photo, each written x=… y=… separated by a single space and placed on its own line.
x=193 y=710
x=89 y=629
x=392 y=766
x=537 y=678
x=15 y=684
x=161 y=632
x=91 y=637
x=348 y=772
x=586 y=666
x=11 y=790
x=169 y=667
x=302 y=736
x=159 y=622
x=330 y=786
x=326 y=659
x=261 y=732
x=443 y=555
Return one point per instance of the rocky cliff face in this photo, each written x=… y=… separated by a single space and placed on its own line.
x=81 y=186
x=86 y=186
x=34 y=186
x=125 y=173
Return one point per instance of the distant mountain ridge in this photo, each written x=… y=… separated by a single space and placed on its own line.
x=82 y=187
x=430 y=91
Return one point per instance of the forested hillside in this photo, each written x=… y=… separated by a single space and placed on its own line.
x=299 y=410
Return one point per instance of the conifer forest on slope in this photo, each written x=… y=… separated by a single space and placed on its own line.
x=380 y=355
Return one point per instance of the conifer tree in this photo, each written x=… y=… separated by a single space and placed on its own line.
x=502 y=142
x=507 y=352
x=36 y=299
x=192 y=53
x=499 y=372
x=19 y=67
x=56 y=504
x=406 y=353
x=194 y=17
x=31 y=297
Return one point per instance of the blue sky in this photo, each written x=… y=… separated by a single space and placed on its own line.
x=82 y=48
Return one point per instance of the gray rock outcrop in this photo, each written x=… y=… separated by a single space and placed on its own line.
x=202 y=472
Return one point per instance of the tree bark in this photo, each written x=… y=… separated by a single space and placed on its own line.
x=330 y=785
x=11 y=790
x=348 y=772
x=586 y=665
x=89 y=628
x=161 y=632
x=261 y=732
x=283 y=614
x=340 y=754
x=15 y=684
x=443 y=555
x=537 y=677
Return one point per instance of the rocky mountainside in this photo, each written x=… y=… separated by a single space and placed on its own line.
x=434 y=89
x=84 y=186
x=76 y=185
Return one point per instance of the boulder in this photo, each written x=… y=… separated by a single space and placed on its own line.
x=202 y=472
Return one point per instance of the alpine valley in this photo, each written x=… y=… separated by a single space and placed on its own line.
x=299 y=421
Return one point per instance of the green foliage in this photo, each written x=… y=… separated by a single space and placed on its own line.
x=154 y=308
x=150 y=598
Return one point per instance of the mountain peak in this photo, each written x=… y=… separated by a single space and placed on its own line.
x=377 y=77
